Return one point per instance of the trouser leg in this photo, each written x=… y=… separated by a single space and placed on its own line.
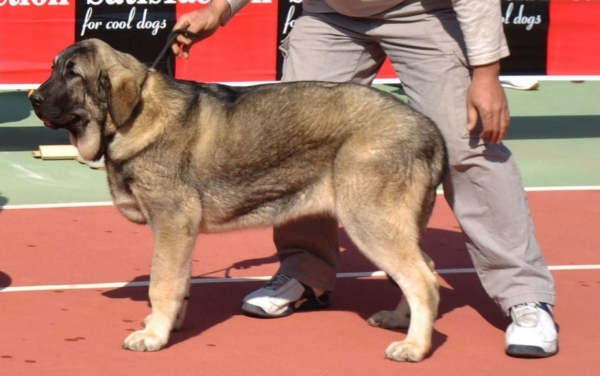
x=483 y=185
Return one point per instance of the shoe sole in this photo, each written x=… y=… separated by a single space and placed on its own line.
x=256 y=311
x=523 y=351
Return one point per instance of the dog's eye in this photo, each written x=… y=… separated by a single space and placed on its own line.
x=69 y=69
x=70 y=72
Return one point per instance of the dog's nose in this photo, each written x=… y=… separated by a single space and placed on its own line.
x=36 y=99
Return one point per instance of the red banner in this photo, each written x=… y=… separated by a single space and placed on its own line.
x=244 y=50
x=563 y=34
x=573 y=47
x=31 y=34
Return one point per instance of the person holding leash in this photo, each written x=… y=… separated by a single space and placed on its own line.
x=448 y=54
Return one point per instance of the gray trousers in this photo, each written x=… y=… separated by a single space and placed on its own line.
x=483 y=187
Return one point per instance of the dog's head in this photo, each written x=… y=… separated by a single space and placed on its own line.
x=93 y=90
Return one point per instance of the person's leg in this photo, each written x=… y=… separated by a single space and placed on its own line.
x=483 y=185
x=323 y=47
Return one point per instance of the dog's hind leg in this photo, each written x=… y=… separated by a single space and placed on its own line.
x=399 y=318
x=169 y=284
x=383 y=213
x=398 y=254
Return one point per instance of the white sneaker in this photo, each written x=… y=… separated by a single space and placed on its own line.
x=520 y=83
x=532 y=333
x=282 y=296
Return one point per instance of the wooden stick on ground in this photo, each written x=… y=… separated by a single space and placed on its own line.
x=56 y=152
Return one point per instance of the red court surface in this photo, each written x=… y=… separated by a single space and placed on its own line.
x=78 y=330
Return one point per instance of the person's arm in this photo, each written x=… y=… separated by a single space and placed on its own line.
x=481 y=24
x=204 y=22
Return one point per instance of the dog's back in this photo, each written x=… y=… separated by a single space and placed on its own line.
x=290 y=149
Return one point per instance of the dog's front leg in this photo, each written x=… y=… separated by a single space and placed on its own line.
x=169 y=286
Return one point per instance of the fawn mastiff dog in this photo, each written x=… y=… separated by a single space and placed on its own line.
x=189 y=158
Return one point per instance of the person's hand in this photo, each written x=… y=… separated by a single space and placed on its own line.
x=204 y=22
x=486 y=99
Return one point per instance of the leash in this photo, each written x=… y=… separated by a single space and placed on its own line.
x=170 y=40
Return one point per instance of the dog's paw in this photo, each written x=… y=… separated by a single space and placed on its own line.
x=405 y=351
x=390 y=320
x=144 y=340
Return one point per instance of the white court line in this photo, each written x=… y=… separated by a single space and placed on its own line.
x=19 y=87
x=574 y=188
x=109 y=203
x=259 y=278
x=59 y=205
x=209 y=280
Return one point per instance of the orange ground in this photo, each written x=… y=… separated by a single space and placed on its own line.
x=79 y=331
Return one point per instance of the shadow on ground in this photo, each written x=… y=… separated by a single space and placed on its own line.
x=30 y=133
x=554 y=127
x=30 y=138
x=540 y=127
x=214 y=303
x=14 y=106
x=3 y=201
x=5 y=280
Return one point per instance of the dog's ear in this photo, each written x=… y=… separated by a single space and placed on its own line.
x=124 y=93
x=125 y=77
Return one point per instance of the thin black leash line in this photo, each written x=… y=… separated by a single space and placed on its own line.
x=170 y=40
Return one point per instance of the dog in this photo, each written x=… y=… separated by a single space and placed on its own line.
x=190 y=158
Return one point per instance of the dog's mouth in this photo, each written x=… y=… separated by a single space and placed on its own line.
x=68 y=124
x=49 y=124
